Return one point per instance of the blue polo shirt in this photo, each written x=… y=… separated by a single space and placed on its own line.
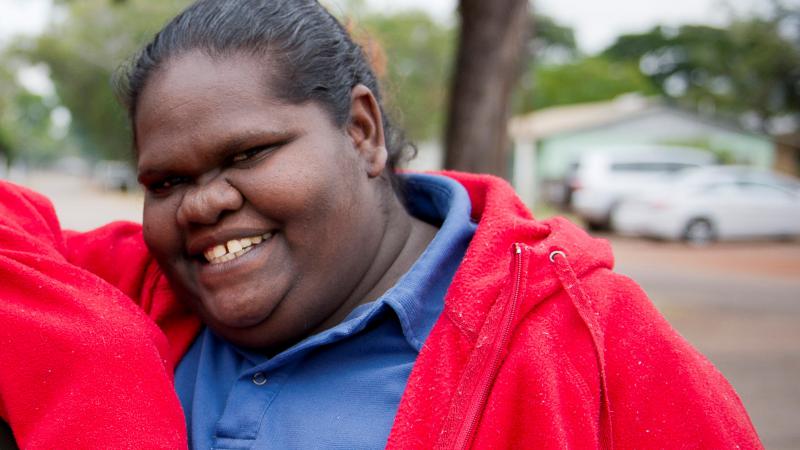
x=339 y=389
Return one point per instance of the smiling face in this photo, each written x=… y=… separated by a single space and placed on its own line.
x=267 y=217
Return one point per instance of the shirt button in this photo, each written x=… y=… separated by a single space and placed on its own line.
x=259 y=379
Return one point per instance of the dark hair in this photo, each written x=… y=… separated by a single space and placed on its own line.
x=318 y=59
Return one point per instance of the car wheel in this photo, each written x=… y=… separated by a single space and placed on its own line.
x=596 y=225
x=699 y=232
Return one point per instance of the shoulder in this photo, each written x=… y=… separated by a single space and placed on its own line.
x=28 y=221
x=613 y=341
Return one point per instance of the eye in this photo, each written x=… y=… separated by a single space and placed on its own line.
x=166 y=185
x=254 y=154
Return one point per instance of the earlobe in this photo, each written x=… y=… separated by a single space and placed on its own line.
x=366 y=130
x=377 y=163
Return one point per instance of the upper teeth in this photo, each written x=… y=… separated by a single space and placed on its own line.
x=233 y=248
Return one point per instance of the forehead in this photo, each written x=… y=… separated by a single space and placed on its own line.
x=196 y=100
x=195 y=80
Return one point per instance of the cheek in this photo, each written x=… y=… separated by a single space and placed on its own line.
x=290 y=189
x=160 y=230
x=311 y=203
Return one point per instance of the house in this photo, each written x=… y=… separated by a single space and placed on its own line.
x=549 y=140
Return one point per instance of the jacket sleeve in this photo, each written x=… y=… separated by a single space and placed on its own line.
x=117 y=254
x=83 y=366
x=662 y=392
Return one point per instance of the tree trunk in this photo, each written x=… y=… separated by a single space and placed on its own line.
x=492 y=37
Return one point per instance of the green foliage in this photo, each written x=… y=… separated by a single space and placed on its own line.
x=419 y=53
x=32 y=126
x=557 y=74
x=748 y=67
x=8 y=89
x=97 y=36
x=550 y=41
x=418 y=59
x=632 y=47
x=584 y=80
x=25 y=125
x=83 y=51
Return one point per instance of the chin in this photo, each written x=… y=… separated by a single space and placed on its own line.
x=259 y=339
x=235 y=313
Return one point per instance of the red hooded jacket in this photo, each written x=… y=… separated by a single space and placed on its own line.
x=540 y=344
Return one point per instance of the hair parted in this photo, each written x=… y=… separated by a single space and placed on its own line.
x=316 y=58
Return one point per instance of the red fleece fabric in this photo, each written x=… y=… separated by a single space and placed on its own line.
x=82 y=366
x=534 y=349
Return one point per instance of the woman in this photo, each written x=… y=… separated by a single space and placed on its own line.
x=342 y=306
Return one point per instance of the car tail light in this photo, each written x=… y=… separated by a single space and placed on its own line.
x=659 y=204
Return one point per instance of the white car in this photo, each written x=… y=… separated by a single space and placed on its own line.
x=706 y=204
x=601 y=179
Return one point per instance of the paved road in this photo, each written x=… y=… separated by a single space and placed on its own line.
x=738 y=303
x=80 y=205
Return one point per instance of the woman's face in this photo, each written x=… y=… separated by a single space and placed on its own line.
x=265 y=216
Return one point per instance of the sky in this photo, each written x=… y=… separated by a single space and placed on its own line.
x=22 y=16
x=596 y=22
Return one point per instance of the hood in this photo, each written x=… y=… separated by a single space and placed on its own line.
x=503 y=221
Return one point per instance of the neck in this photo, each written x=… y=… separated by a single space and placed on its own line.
x=404 y=239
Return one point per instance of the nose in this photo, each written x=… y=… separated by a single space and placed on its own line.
x=206 y=201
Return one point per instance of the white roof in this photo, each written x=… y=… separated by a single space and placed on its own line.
x=560 y=119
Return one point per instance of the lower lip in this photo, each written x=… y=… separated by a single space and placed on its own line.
x=211 y=274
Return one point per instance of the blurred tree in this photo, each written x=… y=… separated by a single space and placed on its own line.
x=33 y=127
x=492 y=36
x=583 y=80
x=556 y=73
x=415 y=82
x=550 y=42
x=83 y=50
x=25 y=124
x=8 y=90
x=750 y=69
x=419 y=62
x=96 y=36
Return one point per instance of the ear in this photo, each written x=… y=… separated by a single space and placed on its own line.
x=366 y=130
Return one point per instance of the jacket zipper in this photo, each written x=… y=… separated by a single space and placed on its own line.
x=467 y=432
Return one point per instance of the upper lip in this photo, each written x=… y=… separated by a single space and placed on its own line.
x=196 y=245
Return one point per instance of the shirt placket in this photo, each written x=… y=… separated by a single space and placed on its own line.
x=248 y=404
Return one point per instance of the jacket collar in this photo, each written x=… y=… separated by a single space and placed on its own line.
x=503 y=221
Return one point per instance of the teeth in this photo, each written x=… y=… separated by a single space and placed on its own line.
x=233 y=248
x=215 y=252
